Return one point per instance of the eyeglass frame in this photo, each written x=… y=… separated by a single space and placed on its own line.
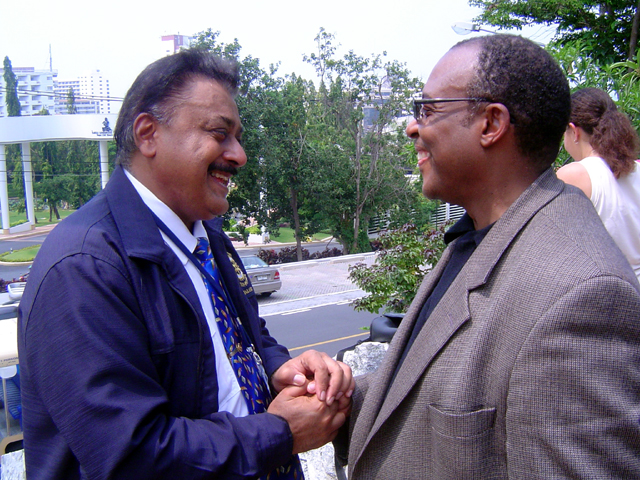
x=417 y=103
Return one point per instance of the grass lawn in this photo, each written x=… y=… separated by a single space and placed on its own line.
x=29 y=253
x=23 y=255
x=42 y=216
x=285 y=235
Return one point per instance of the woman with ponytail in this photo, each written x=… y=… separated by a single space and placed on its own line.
x=605 y=147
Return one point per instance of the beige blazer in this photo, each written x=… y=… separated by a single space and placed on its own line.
x=529 y=366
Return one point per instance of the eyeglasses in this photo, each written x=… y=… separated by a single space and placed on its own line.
x=417 y=104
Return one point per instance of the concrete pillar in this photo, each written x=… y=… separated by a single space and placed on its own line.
x=4 y=193
x=28 y=183
x=104 y=161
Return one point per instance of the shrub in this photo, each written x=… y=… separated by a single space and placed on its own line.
x=326 y=253
x=404 y=258
x=376 y=244
x=290 y=255
x=269 y=256
x=285 y=255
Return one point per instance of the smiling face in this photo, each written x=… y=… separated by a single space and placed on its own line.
x=196 y=152
x=447 y=139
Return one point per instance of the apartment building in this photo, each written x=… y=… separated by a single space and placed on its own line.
x=91 y=92
x=35 y=90
x=42 y=89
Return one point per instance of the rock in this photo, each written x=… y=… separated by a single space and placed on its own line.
x=12 y=466
x=365 y=357
x=319 y=464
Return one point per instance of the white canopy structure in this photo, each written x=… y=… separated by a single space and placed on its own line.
x=48 y=128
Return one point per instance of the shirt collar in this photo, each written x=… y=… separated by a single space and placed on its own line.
x=465 y=226
x=168 y=216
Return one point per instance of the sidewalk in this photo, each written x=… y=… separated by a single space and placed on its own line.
x=254 y=240
x=38 y=230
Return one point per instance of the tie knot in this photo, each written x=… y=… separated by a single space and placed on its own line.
x=202 y=251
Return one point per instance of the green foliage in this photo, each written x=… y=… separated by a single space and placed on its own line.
x=71 y=102
x=11 y=85
x=404 y=259
x=621 y=80
x=359 y=145
x=604 y=28
x=26 y=254
x=329 y=157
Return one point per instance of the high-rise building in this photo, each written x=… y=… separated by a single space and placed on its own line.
x=91 y=92
x=174 y=43
x=41 y=89
x=35 y=90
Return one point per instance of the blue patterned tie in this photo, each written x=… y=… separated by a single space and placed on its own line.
x=249 y=372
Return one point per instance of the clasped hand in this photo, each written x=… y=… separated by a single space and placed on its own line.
x=314 y=397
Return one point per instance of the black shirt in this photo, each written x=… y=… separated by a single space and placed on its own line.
x=469 y=239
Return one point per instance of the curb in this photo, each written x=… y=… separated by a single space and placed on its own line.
x=331 y=261
x=29 y=233
x=273 y=243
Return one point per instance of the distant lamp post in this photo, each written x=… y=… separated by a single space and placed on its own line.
x=465 y=28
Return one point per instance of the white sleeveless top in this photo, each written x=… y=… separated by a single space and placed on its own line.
x=618 y=204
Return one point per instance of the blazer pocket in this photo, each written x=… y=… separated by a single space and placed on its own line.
x=463 y=443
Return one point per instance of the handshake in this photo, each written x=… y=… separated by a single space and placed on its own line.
x=314 y=397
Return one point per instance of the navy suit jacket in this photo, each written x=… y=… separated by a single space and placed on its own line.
x=116 y=358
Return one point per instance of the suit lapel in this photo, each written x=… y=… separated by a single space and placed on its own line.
x=369 y=418
x=442 y=324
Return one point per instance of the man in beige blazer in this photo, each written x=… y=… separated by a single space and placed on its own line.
x=520 y=355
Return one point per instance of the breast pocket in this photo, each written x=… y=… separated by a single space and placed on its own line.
x=463 y=443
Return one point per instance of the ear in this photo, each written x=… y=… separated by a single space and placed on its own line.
x=496 y=124
x=576 y=132
x=145 y=127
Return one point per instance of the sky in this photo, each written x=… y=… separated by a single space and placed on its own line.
x=120 y=37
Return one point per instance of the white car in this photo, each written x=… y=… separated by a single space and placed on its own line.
x=264 y=277
x=15 y=290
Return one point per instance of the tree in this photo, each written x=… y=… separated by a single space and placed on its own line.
x=11 y=85
x=607 y=29
x=273 y=184
x=245 y=194
x=360 y=138
x=328 y=157
x=288 y=162
x=71 y=102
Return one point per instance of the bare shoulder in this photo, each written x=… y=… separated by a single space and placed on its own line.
x=575 y=174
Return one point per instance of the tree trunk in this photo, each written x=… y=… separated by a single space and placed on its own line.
x=633 y=41
x=296 y=223
x=356 y=220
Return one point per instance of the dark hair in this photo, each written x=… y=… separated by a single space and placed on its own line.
x=517 y=73
x=612 y=134
x=163 y=81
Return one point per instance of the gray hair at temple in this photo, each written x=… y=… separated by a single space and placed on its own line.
x=162 y=81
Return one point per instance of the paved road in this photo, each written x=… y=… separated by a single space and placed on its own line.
x=312 y=308
x=327 y=328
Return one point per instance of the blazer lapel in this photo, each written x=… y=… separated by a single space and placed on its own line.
x=443 y=322
x=371 y=417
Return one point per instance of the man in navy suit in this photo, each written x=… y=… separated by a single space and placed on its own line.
x=125 y=370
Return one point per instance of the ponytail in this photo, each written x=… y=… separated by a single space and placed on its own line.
x=612 y=135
